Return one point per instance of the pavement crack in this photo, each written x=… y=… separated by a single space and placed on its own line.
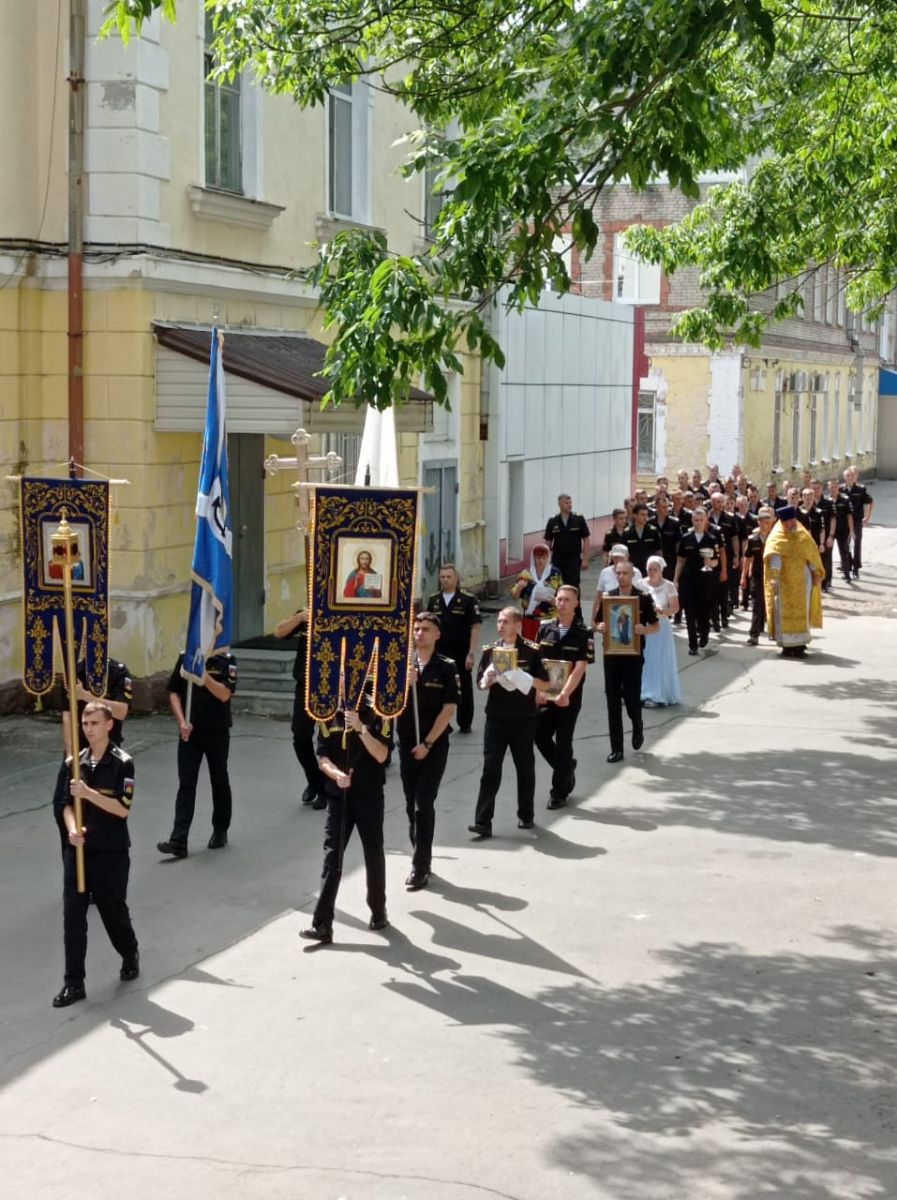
x=250 y=1165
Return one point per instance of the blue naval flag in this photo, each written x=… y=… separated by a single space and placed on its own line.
x=211 y=600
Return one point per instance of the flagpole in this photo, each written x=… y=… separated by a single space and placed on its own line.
x=66 y=539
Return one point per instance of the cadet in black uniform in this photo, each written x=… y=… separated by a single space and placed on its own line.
x=861 y=505
x=565 y=638
x=641 y=538
x=670 y=532
x=842 y=516
x=695 y=585
x=460 y=621
x=568 y=535
x=117 y=698
x=827 y=508
x=614 y=535
x=352 y=748
x=752 y=572
x=423 y=730
x=623 y=672
x=729 y=560
x=303 y=726
x=510 y=722
x=207 y=734
x=106 y=789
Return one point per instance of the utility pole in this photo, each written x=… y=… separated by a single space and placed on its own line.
x=76 y=233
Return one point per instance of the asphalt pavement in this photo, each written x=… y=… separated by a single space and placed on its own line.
x=680 y=987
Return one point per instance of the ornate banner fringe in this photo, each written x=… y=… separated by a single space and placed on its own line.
x=362 y=582
x=87 y=507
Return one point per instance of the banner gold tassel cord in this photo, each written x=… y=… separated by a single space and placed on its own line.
x=64 y=542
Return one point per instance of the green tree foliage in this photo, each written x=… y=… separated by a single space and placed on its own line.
x=552 y=101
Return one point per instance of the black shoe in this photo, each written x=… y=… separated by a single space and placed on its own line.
x=526 y=824
x=70 y=994
x=482 y=831
x=702 y=642
x=417 y=880
x=715 y=627
x=690 y=651
x=317 y=933
x=615 y=756
x=638 y=739
x=752 y=641
x=130 y=967
x=556 y=802
x=308 y=795
x=319 y=802
x=175 y=849
x=217 y=840
x=378 y=921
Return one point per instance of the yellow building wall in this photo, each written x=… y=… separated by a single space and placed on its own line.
x=152 y=526
x=687 y=378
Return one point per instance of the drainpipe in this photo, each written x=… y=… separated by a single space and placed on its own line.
x=76 y=233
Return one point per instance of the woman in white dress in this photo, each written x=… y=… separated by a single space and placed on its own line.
x=660 y=676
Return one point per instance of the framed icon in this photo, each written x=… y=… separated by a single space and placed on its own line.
x=620 y=616
x=82 y=555
x=504 y=660
x=364 y=574
x=558 y=671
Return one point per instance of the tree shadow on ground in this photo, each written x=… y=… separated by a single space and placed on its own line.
x=769 y=1074
x=779 y=797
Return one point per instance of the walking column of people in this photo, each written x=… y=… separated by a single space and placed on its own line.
x=709 y=548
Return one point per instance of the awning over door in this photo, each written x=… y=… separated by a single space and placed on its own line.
x=272 y=385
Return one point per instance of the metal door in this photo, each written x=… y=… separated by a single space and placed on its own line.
x=439 y=525
x=246 y=454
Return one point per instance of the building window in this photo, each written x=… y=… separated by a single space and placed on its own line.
x=223 y=141
x=813 y=434
x=348 y=447
x=347 y=148
x=819 y=295
x=826 y=423
x=848 y=432
x=778 y=408
x=635 y=281
x=646 y=420
x=836 y=420
x=831 y=296
x=795 y=428
x=433 y=200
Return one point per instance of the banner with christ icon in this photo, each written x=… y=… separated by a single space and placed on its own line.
x=85 y=505
x=362 y=581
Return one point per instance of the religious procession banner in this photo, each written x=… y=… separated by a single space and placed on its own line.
x=85 y=504
x=362 y=581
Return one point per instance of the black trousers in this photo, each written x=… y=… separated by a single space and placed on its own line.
x=346 y=812
x=847 y=561
x=758 y=612
x=827 y=563
x=498 y=737
x=303 y=727
x=696 y=600
x=458 y=655
x=214 y=747
x=719 y=602
x=554 y=739
x=106 y=879
x=420 y=783
x=570 y=569
x=857 y=542
x=622 y=685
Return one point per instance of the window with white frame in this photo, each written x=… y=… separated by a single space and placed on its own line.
x=836 y=419
x=831 y=296
x=778 y=408
x=647 y=404
x=348 y=137
x=848 y=431
x=635 y=281
x=819 y=295
x=813 y=410
x=223 y=124
x=796 y=406
x=826 y=422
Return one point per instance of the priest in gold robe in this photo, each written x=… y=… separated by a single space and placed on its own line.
x=793 y=573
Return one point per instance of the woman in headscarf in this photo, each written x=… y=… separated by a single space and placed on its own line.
x=536 y=590
x=660 y=677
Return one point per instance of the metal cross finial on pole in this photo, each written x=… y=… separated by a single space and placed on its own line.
x=302 y=463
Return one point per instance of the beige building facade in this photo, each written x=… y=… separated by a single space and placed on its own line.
x=807 y=399
x=201 y=204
